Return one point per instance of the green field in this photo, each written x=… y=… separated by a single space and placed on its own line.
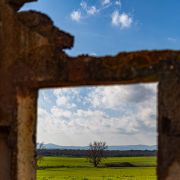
x=61 y=168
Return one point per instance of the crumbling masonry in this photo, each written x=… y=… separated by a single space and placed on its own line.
x=32 y=57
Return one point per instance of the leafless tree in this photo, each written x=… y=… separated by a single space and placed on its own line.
x=39 y=156
x=96 y=152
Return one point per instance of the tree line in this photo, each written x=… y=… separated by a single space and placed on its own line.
x=84 y=153
x=96 y=152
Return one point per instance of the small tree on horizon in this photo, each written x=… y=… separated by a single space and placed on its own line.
x=96 y=152
x=39 y=153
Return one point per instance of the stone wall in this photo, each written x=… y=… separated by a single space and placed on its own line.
x=32 y=57
x=169 y=122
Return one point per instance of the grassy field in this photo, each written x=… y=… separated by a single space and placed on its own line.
x=67 y=168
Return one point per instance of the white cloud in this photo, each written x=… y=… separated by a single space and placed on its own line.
x=46 y=97
x=81 y=115
x=92 y=10
x=84 y=121
x=62 y=101
x=122 y=20
x=136 y=104
x=93 y=54
x=45 y=121
x=118 y=3
x=106 y=2
x=76 y=16
x=64 y=97
x=89 y=10
x=116 y=96
x=84 y=5
x=61 y=113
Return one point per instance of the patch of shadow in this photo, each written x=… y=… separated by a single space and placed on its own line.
x=120 y=164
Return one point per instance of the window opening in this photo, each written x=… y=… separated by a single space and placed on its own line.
x=122 y=116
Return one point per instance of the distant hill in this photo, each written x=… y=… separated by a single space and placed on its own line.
x=120 y=148
x=133 y=147
x=55 y=146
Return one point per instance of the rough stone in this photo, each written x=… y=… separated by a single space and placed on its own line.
x=32 y=57
x=17 y=4
x=168 y=121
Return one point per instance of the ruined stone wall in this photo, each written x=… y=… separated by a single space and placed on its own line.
x=32 y=57
x=169 y=122
x=5 y=154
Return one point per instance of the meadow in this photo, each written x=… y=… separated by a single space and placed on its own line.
x=68 y=168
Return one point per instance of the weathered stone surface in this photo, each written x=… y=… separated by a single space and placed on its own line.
x=17 y=4
x=5 y=154
x=27 y=108
x=17 y=42
x=174 y=171
x=169 y=122
x=124 y=68
x=43 y=25
x=32 y=57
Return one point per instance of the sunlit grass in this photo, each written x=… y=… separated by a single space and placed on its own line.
x=57 y=168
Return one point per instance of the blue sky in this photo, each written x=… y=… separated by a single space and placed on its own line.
x=116 y=114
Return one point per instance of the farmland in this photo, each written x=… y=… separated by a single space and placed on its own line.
x=72 y=168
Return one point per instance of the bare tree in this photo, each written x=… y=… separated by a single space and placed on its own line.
x=39 y=155
x=96 y=152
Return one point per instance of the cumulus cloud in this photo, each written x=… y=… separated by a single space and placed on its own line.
x=122 y=20
x=136 y=103
x=89 y=10
x=84 y=5
x=61 y=113
x=118 y=3
x=106 y=2
x=76 y=15
x=92 y=10
x=84 y=11
x=116 y=96
x=85 y=114
x=84 y=121
x=45 y=97
x=64 y=97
